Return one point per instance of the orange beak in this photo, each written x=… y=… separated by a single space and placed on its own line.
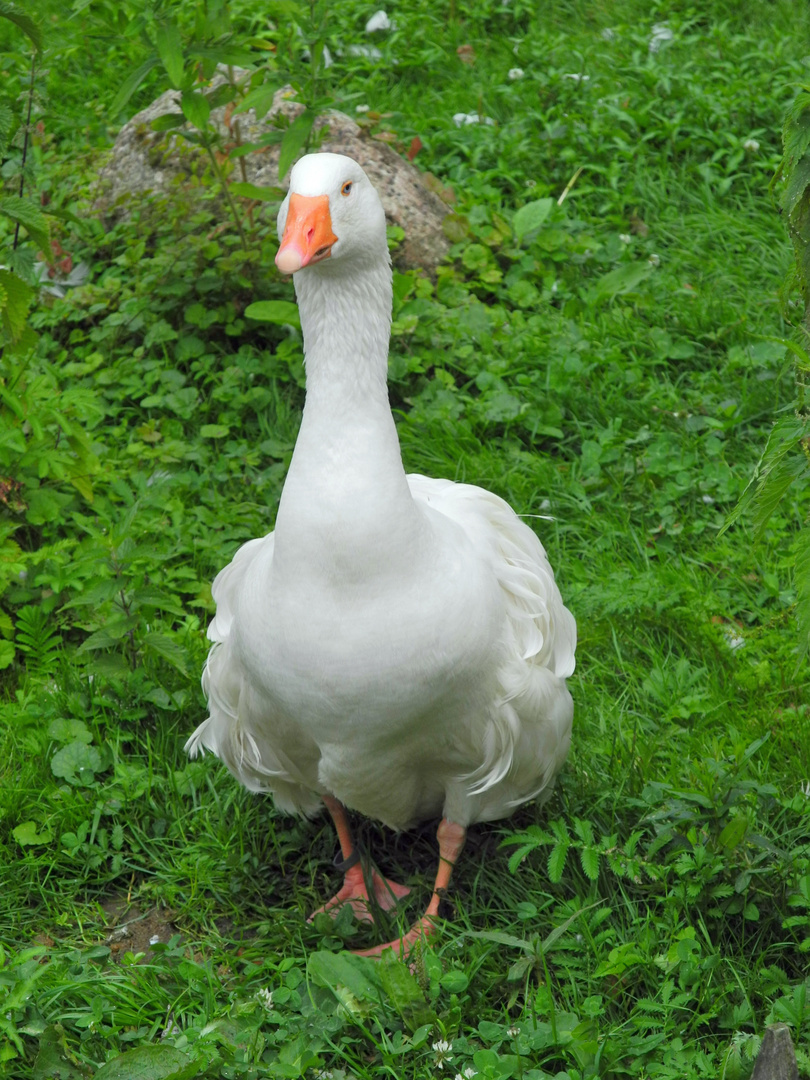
x=308 y=235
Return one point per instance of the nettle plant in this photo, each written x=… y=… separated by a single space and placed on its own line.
x=209 y=67
x=785 y=460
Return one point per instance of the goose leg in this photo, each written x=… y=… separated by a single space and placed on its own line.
x=355 y=890
x=451 y=839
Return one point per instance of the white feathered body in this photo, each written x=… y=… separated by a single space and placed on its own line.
x=397 y=642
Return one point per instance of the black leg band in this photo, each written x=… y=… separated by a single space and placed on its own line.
x=343 y=865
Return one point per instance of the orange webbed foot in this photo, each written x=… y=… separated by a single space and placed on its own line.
x=384 y=894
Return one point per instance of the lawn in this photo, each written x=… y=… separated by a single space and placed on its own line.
x=610 y=359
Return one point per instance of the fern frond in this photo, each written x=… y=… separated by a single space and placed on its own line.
x=801 y=579
x=38 y=640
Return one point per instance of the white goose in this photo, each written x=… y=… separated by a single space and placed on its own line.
x=398 y=644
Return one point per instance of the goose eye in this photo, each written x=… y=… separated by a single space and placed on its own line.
x=347 y=188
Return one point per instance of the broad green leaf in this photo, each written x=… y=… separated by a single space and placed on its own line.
x=801 y=579
x=404 y=992
x=151 y=1063
x=280 y=312
x=531 y=217
x=621 y=281
x=52 y=1062
x=77 y=763
x=23 y=22
x=68 y=729
x=295 y=138
x=358 y=974
x=168 y=650
x=214 y=431
x=455 y=981
x=168 y=121
x=773 y=486
x=110 y=634
x=6 y=654
x=733 y=832
x=17 y=299
x=28 y=834
x=783 y=439
x=259 y=99
x=195 y=108
x=131 y=84
x=796 y=130
x=153 y=598
x=84 y=486
x=797 y=184
x=253 y=191
x=170 y=51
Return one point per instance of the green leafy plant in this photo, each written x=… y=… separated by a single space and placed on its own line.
x=786 y=458
x=16 y=291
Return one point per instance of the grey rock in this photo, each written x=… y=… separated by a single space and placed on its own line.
x=144 y=161
x=776 y=1059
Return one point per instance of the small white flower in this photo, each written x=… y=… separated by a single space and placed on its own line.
x=468 y=1074
x=707 y=499
x=577 y=76
x=378 y=21
x=660 y=34
x=362 y=108
x=370 y=52
x=442 y=1050
x=154 y=939
x=654 y=260
x=172 y=1029
x=514 y=1031
x=625 y=237
x=751 y=145
x=265 y=996
x=608 y=34
x=515 y=73
x=461 y=119
x=733 y=639
x=805 y=789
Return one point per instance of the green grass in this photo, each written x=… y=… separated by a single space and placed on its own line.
x=616 y=372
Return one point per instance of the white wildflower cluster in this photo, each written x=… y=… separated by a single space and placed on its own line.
x=468 y=1074
x=733 y=639
x=461 y=119
x=661 y=34
x=265 y=998
x=577 y=77
x=654 y=260
x=625 y=237
x=442 y=1050
x=378 y=21
x=515 y=73
x=751 y=145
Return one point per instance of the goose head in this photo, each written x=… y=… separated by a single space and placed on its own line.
x=332 y=216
